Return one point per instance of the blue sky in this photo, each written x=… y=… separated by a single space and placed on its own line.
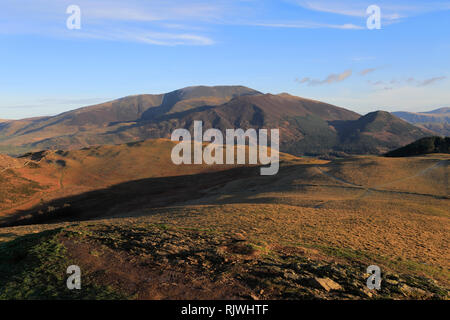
x=316 y=49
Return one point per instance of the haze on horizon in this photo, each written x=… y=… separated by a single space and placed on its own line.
x=320 y=50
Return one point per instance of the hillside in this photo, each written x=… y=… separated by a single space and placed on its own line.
x=376 y=132
x=87 y=126
x=437 y=120
x=441 y=115
x=40 y=177
x=306 y=126
x=422 y=146
x=306 y=233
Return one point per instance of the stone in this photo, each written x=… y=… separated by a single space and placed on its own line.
x=412 y=292
x=291 y=275
x=239 y=237
x=324 y=283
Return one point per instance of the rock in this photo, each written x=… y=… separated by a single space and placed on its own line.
x=393 y=276
x=324 y=283
x=254 y=296
x=291 y=275
x=164 y=260
x=239 y=237
x=367 y=292
x=392 y=282
x=413 y=292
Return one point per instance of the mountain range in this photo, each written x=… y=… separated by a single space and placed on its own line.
x=436 y=120
x=141 y=227
x=307 y=127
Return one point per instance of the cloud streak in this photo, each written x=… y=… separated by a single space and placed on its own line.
x=164 y=22
x=332 y=78
x=391 y=11
x=411 y=81
x=149 y=22
x=309 y=25
x=367 y=71
x=430 y=81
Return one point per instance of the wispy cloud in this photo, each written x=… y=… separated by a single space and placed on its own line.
x=150 y=22
x=309 y=25
x=363 y=59
x=161 y=22
x=332 y=78
x=390 y=10
x=427 y=82
x=411 y=81
x=376 y=83
x=366 y=71
x=147 y=37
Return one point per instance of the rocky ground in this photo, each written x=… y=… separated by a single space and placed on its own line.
x=158 y=261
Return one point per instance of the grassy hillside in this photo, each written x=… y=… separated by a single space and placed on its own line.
x=40 y=177
x=317 y=224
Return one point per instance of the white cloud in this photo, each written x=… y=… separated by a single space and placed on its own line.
x=390 y=10
x=367 y=71
x=409 y=81
x=158 y=22
x=429 y=81
x=332 y=78
x=149 y=22
x=308 y=25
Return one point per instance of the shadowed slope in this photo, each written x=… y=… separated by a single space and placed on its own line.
x=422 y=146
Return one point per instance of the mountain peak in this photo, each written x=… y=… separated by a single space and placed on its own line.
x=212 y=91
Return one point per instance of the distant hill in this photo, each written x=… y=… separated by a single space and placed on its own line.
x=441 y=115
x=445 y=110
x=436 y=120
x=423 y=146
x=375 y=132
x=306 y=126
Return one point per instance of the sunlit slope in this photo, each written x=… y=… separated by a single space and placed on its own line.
x=425 y=175
x=107 y=123
x=340 y=216
x=42 y=176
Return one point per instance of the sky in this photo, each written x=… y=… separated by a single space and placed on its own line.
x=320 y=49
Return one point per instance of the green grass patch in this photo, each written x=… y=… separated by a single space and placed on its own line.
x=34 y=267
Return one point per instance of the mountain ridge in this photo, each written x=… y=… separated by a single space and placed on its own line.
x=306 y=126
x=437 y=120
